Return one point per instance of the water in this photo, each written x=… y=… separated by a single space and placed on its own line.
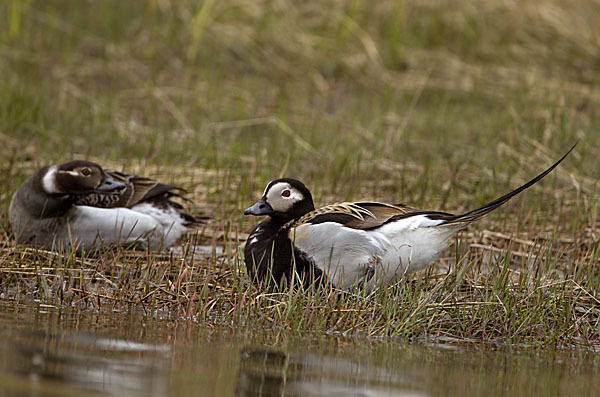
x=47 y=352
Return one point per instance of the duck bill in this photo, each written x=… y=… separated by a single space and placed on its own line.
x=109 y=185
x=260 y=208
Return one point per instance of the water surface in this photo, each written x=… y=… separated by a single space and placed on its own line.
x=48 y=352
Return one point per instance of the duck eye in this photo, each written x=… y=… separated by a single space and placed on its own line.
x=286 y=193
x=86 y=172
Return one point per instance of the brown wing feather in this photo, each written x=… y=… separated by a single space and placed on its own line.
x=359 y=215
x=381 y=213
x=139 y=189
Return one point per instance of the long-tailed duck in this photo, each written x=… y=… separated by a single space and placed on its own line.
x=79 y=205
x=349 y=243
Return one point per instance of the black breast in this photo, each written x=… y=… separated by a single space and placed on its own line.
x=269 y=254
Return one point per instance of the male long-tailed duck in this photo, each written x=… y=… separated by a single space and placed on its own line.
x=347 y=244
x=79 y=205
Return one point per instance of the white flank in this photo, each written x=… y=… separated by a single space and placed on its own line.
x=91 y=226
x=415 y=244
x=49 y=181
x=392 y=250
x=344 y=254
x=171 y=222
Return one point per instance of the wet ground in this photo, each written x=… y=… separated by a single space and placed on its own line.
x=48 y=352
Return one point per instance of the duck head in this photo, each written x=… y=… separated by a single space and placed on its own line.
x=78 y=177
x=284 y=198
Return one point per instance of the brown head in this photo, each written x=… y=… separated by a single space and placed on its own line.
x=77 y=177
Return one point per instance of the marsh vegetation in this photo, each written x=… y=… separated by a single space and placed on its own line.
x=435 y=105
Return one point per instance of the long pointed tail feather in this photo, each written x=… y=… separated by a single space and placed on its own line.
x=472 y=216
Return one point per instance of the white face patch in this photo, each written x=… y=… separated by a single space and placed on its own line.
x=282 y=196
x=49 y=181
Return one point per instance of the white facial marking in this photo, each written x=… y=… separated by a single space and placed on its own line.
x=74 y=173
x=282 y=196
x=49 y=181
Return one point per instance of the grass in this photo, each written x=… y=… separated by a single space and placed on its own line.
x=438 y=106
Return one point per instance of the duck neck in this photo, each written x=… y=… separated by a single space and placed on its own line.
x=41 y=204
x=275 y=222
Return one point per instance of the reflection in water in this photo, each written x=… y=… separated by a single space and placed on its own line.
x=109 y=353
x=262 y=372
x=268 y=372
x=84 y=362
x=410 y=370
